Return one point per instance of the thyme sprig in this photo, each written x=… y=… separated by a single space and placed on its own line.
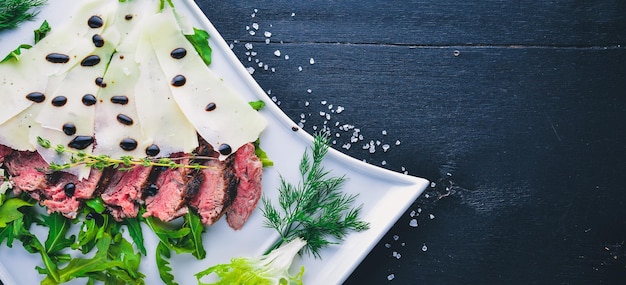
x=82 y=158
x=14 y=12
x=315 y=209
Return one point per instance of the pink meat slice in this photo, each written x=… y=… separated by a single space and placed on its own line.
x=28 y=172
x=123 y=193
x=168 y=203
x=248 y=169
x=215 y=190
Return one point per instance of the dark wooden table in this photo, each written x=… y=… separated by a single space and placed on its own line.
x=515 y=110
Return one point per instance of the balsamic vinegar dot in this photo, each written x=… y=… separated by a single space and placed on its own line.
x=69 y=129
x=128 y=17
x=210 y=107
x=125 y=120
x=36 y=97
x=97 y=40
x=89 y=100
x=81 y=142
x=151 y=190
x=59 y=101
x=128 y=144
x=152 y=150
x=69 y=189
x=179 y=80
x=100 y=82
x=119 y=99
x=90 y=60
x=224 y=149
x=95 y=22
x=57 y=58
x=178 y=53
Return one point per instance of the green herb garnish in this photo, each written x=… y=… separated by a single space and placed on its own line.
x=14 y=12
x=103 y=161
x=200 y=42
x=315 y=209
x=39 y=35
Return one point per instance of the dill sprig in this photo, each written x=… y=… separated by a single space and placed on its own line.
x=315 y=209
x=82 y=158
x=14 y=12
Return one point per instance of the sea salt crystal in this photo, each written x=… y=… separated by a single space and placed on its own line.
x=322 y=113
x=293 y=14
x=413 y=213
x=307 y=103
x=277 y=53
x=323 y=102
x=384 y=162
x=424 y=247
x=340 y=109
x=396 y=237
x=255 y=26
x=387 y=245
x=413 y=223
x=391 y=276
x=431 y=216
x=267 y=41
x=248 y=46
x=384 y=132
x=398 y=142
x=252 y=33
x=286 y=57
x=250 y=70
x=385 y=147
x=312 y=61
x=299 y=68
x=347 y=146
x=433 y=184
x=309 y=91
x=267 y=34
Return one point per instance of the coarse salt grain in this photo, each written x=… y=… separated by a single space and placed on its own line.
x=424 y=247
x=391 y=276
x=431 y=216
x=267 y=34
x=250 y=70
x=385 y=147
x=309 y=91
x=248 y=46
x=277 y=53
x=312 y=61
x=255 y=26
x=396 y=237
x=413 y=223
x=286 y=57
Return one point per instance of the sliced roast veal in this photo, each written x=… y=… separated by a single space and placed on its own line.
x=248 y=169
x=123 y=193
x=28 y=172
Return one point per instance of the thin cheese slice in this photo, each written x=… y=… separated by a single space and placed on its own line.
x=219 y=115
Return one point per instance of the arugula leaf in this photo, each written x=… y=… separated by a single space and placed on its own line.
x=200 y=42
x=9 y=210
x=40 y=33
x=162 y=254
x=257 y=105
x=196 y=228
x=262 y=155
x=43 y=30
x=135 y=232
x=58 y=228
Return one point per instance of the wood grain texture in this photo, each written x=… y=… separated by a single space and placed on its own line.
x=515 y=110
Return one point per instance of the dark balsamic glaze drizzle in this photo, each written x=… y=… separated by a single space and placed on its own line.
x=95 y=22
x=36 y=97
x=90 y=60
x=125 y=120
x=128 y=144
x=89 y=100
x=69 y=189
x=224 y=149
x=178 y=53
x=57 y=58
x=179 y=80
x=152 y=150
x=97 y=40
x=59 y=101
x=210 y=107
x=100 y=82
x=81 y=142
x=119 y=99
x=69 y=129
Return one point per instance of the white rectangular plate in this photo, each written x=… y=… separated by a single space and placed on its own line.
x=385 y=195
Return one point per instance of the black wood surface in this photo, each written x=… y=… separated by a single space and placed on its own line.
x=514 y=109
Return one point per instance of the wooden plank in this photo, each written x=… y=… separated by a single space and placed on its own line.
x=427 y=22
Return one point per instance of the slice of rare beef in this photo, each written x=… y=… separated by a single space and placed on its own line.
x=165 y=198
x=249 y=170
x=4 y=152
x=212 y=190
x=28 y=171
x=123 y=193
